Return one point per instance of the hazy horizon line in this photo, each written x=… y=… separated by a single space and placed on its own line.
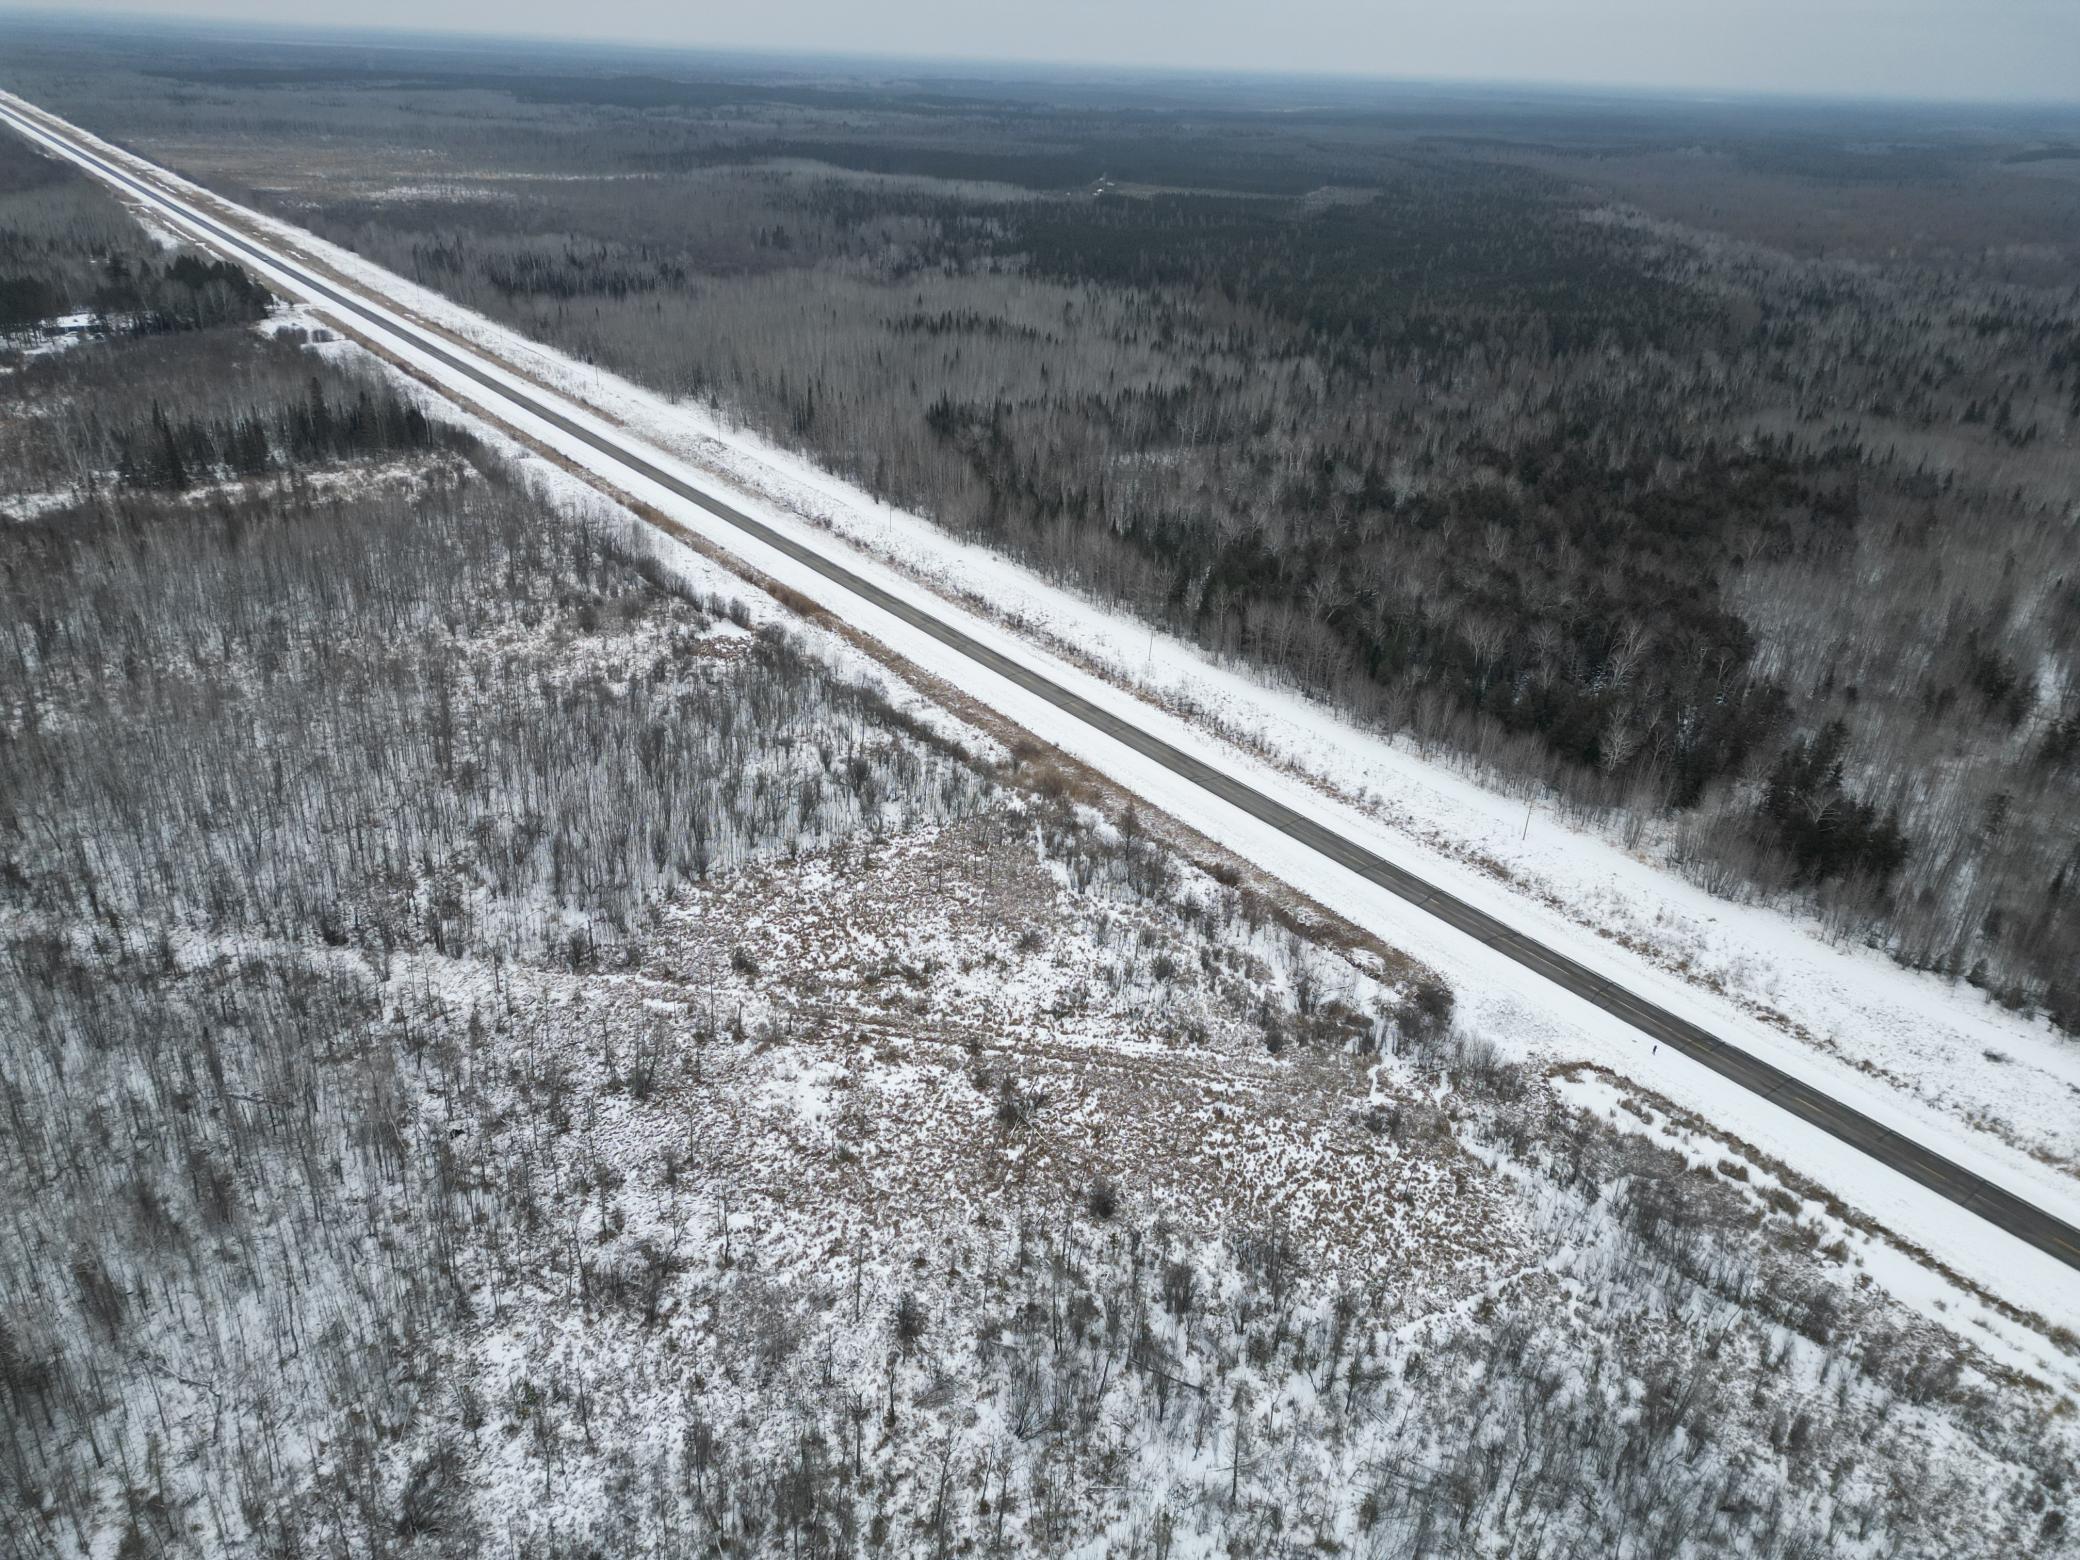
x=313 y=34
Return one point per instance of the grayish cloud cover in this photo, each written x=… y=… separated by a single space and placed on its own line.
x=1955 y=49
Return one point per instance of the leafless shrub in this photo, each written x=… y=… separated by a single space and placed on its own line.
x=1180 y=1288
x=432 y=1496
x=1101 y=1198
x=1017 y=1105
x=1423 y=1018
x=909 y=1323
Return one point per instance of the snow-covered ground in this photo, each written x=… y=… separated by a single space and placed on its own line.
x=1905 y=1049
x=31 y=506
x=60 y=333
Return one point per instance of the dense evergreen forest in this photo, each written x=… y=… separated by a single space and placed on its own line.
x=1709 y=469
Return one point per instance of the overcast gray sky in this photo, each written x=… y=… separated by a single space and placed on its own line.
x=2000 y=49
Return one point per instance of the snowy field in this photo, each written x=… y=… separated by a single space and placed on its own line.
x=1908 y=1050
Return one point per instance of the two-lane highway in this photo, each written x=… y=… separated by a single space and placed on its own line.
x=1964 y=1187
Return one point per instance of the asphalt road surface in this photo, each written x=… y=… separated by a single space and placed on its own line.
x=1969 y=1191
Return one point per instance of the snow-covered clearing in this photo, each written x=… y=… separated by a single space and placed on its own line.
x=1906 y=1050
x=46 y=338
x=31 y=506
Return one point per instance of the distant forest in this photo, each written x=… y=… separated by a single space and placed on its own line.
x=1711 y=470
